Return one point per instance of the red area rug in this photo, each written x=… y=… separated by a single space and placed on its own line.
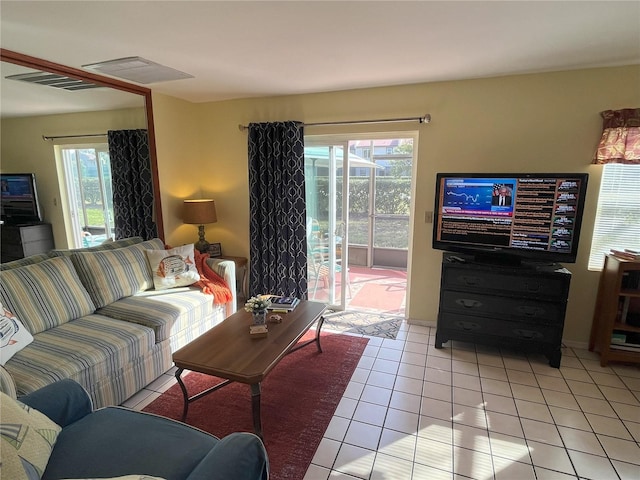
x=299 y=397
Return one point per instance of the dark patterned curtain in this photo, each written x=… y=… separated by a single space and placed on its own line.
x=278 y=210
x=132 y=181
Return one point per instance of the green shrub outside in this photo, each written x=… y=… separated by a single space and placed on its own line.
x=91 y=190
x=93 y=200
x=393 y=199
x=95 y=216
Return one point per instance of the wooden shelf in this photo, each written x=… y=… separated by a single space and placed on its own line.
x=623 y=356
x=625 y=327
x=608 y=316
x=630 y=293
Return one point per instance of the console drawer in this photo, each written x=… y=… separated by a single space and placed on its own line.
x=529 y=285
x=448 y=322
x=517 y=309
x=19 y=241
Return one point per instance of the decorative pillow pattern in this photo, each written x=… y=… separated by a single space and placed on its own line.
x=173 y=268
x=27 y=437
x=110 y=275
x=13 y=336
x=45 y=295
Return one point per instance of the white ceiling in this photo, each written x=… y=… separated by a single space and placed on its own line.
x=239 y=49
x=19 y=99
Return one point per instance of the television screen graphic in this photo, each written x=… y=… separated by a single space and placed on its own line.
x=471 y=196
x=18 y=198
x=530 y=215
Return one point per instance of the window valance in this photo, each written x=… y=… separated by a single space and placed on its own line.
x=620 y=141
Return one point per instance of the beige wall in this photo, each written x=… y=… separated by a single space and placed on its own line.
x=543 y=122
x=182 y=168
x=24 y=150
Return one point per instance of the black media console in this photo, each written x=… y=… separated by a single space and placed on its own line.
x=521 y=307
x=19 y=241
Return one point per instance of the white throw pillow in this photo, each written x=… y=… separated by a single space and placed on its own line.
x=13 y=336
x=173 y=268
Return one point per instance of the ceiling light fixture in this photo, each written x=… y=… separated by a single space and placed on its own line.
x=137 y=69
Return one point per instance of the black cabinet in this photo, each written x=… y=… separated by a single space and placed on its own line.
x=19 y=241
x=518 y=306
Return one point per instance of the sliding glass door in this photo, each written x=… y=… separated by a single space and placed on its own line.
x=87 y=172
x=359 y=189
x=327 y=183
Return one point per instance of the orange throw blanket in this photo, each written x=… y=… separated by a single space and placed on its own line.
x=210 y=282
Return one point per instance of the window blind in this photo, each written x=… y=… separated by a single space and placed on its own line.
x=617 y=222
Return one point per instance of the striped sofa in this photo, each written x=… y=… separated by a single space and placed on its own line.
x=96 y=319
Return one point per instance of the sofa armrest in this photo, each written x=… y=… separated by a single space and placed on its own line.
x=227 y=270
x=64 y=401
x=240 y=456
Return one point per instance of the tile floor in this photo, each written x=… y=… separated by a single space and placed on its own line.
x=414 y=412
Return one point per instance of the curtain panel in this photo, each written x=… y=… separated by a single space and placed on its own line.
x=277 y=227
x=620 y=141
x=132 y=182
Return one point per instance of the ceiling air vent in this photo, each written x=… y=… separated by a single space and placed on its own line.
x=53 y=80
x=137 y=69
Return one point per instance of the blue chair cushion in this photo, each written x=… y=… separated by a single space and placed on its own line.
x=115 y=441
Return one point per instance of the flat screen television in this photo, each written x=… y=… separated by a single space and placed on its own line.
x=19 y=198
x=510 y=217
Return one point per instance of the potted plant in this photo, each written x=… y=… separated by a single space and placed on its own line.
x=258 y=305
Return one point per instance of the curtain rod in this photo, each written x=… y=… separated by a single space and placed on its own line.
x=424 y=119
x=44 y=137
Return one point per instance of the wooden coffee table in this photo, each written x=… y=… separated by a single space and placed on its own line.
x=228 y=351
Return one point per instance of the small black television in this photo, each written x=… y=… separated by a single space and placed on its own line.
x=510 y=217
x=19 y=198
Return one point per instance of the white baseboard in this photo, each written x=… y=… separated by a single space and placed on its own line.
x=427 y=323
x=572 y=344
x=424 y=323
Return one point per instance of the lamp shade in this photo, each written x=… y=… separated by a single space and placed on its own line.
x=199 y=212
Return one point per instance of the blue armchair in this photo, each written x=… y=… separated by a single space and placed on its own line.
x=115 y=441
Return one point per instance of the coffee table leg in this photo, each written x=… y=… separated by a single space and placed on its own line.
x=184 y=393
x=255 y=408
x=318 y=328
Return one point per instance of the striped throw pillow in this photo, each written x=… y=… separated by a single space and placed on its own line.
x=123 y=242
x=45 y=295
x=30 y=260
x=114 y=274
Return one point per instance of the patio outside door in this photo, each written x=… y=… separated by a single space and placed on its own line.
x=327 y=197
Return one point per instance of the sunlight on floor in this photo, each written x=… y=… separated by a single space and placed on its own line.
x=418 y=413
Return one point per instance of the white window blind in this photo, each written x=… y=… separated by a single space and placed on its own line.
x=618 y=216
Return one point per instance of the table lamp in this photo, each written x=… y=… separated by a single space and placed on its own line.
x=200 y=212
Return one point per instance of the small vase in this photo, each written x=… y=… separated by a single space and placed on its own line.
x=260 y=317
